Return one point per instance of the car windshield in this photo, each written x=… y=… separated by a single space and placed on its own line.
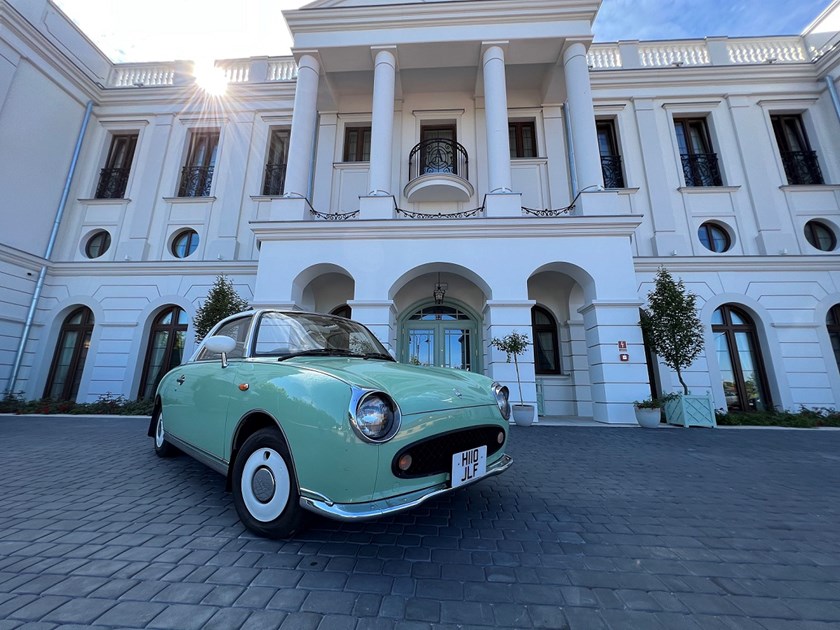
x=294 y=334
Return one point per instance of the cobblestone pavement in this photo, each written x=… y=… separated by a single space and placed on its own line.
x=591 y=528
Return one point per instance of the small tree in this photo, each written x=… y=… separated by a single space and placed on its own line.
x=671 y=323
x=513 y=345
x=222 y=301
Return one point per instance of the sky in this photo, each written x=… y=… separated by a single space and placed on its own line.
x=164 y=30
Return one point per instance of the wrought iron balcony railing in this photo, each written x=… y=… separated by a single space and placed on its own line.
x=802 y=167
x=439 y=155
x=611 y=168
x=112 y=183
x=275 y=179
x=701 y=169
x=195 y=181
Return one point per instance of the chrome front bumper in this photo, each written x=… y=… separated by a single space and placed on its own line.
x=391 y=505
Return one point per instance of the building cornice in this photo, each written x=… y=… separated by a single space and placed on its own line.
x=18 y=257
x=21 y=35
x=484 y=228
x=720 y=264
x=151 y=268
x=436 y=14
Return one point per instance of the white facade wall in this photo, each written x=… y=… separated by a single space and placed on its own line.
x=591 y=270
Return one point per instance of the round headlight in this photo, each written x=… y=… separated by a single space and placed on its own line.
x=375 y=418
x=502 y=399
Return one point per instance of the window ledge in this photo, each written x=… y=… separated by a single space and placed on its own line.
x=623 y=191
x=809 y=187
x=189 y=199
x=105 y=202
x=707 y=190
x=265 y=197
x=351 y=165
x=528 y=160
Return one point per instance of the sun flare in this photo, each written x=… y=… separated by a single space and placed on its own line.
x=210 y=78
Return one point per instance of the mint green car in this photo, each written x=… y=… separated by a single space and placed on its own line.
x=305 y=413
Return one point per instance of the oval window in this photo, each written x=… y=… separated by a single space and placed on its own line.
x=820 y=236
x=184 y=243
x=98 y=244
x=714 y=237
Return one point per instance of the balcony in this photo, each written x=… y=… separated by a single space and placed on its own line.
x=195 y=181
x=701 y=169
x=802 y=167
x=611 y=169
x=438 y=170
x=112 y=183
x=274 y=180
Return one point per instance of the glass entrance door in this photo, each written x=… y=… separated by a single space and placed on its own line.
x=442 y=336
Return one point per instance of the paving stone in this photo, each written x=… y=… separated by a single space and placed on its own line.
x=130 y=614
x=183 y=617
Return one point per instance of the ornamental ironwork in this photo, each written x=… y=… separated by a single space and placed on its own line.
x=195 y=181
x=549 y=212
x=274 y=180
x=112 y=183
x=611 y=168
x=701 y=169
x=333 y=216
x=802 y=167
x=456 y=214
x=438 y=155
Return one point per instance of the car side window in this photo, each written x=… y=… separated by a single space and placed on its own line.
x=236 y=330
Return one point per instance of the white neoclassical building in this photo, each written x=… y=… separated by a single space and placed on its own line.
x=446 y=172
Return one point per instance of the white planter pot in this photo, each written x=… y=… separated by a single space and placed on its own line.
x=648 y=418
x=523 y=415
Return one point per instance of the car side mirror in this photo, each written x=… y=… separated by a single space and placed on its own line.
x=220 y=344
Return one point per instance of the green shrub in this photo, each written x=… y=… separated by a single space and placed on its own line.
x=804 y=418
x=106 y=404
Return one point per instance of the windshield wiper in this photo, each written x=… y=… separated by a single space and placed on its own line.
x=337 y=352
x=313 y=352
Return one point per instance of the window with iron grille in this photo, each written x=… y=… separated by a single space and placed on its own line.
x=699 y=162
x=197 y=173
x=357 y=143
x=610 y=157
x=800 y=162
x=523 y=139
x=275 y=167
x=113 y=178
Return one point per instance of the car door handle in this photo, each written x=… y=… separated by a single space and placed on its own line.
x=180 y=380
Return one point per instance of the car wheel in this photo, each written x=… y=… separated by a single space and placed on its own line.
x=162 y=447
x=265 y=491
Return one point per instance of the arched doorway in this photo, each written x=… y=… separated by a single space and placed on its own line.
x=739 y=359
x=443 y=335
x=165 y=350
x=70 y=354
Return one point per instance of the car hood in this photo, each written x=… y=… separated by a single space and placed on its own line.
x=416 y=389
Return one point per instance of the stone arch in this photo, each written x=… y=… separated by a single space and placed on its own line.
x=313 y=287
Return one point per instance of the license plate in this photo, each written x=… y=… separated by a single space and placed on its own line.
x=469 y=465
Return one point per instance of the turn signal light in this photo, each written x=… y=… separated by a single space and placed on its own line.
x=405 y=462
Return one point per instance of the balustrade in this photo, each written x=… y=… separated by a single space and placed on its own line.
x=701 y=169
x=112 y=183
x=438 y=155
x=802 y=167
x=611 y=168
x=195 y=181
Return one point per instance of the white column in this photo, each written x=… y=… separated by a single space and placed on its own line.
x=496 y=113
x=304 y=119
x=382 y=125
x=582 y=118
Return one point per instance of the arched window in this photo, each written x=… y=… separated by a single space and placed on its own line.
x=165 y=350
x=832 y=322
x=342 y=311
x=739 y=358
x=70 y=354
x=546 y=349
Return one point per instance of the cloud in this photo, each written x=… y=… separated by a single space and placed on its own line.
x=679 y=19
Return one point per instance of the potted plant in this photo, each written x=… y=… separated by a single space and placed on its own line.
x=675 y=333
x=648 y=412
x=514 y=345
